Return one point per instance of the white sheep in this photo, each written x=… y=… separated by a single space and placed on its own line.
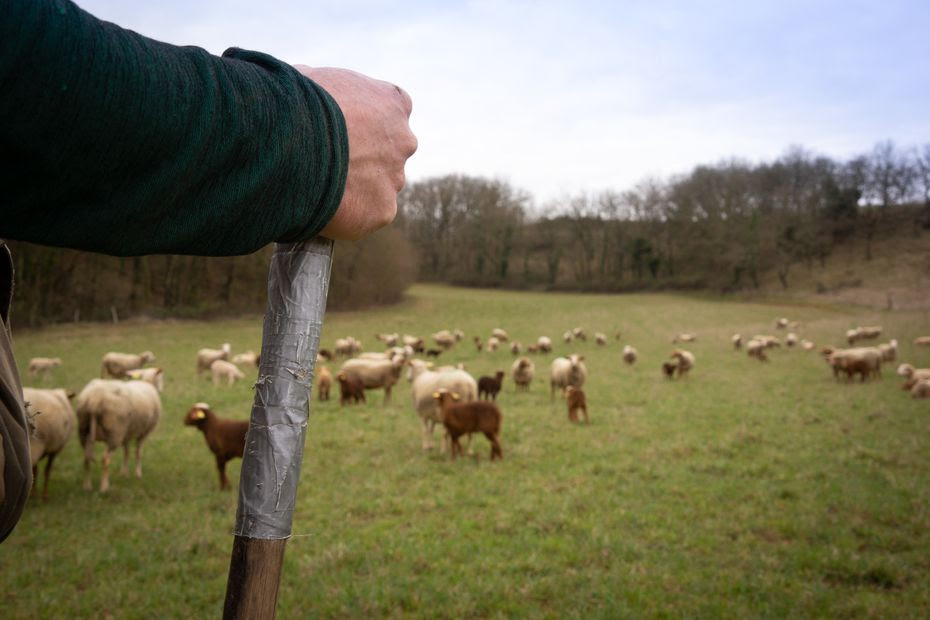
x=115 y=412
x=579 y=334
x=425 y=382
x=206 y=357
x=515 y=347
x=684 y=337
x=889 y=350
x=522 y=372
x=756 y=348
x=629 y=354
x=444 y=339
x=54 y=423
x=544 y=344
x=222 y=370
x=567 y=337
x=500 y=334
x=389 y=340
x=249 y=358
x=685 y=360
x=600 y=338
x=155 y=376
x=807 y=345
x=493 y=343
x=781 y=323
x=43 y=366
x=922 y=341
x=117 y=364
x=737 y=341
x=791 y=339
x=921 y=389
x=564 y=372
x=375 y=373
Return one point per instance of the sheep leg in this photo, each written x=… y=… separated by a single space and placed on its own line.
x=124 y=470
x=138 y=458
x=105 y=470
x=48 y=470
x=35 y=478
x=221 y=466
x=387 y=396
x=427 y=434
x=584 y=410
x=496 y=451
x=88 y=458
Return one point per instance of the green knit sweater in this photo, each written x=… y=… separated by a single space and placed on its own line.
x=120 y=144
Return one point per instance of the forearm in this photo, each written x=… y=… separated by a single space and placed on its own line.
x=125 y=145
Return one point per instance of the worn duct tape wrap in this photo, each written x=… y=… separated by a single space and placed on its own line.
x=298 y=281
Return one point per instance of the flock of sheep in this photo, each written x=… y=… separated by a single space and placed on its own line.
x=124 y=407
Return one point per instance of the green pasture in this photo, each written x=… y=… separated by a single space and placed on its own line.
x=745 y=490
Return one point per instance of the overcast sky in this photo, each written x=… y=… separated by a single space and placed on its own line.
x=562 y=96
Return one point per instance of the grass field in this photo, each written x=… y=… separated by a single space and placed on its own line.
x=744 y=490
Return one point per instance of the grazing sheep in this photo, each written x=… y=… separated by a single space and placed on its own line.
x=324 y=382
x=522 y=372
x=781 y=323
x=756 y=348
x=206 y=357
x=867 y=332
x=223 y=370
x=490 y=386
x=249 y=358
x=576 y=402
x=864 y=361
x=921 y=389
x=413 y=342
x=115 y=412
x=737 y=341
x=444 y=339
x=465 y=418
x=458 y=334
x=600 y=339
x=424 y=382
x=889 y=350
x=791 y=339
x=515 y=348
x=347 y=346
x=579 y=334
x=116 y=364
x=389 y=340
x=629 y=354
x=807 y=345
x=564 y=372
x=567 y=337
x=685 y=361
x=544 y=343
x=668 y=369
x=155 y=376
x=909 y=372
x=225 y=438
x=43 y=366
x=684 y=338
x=532 y=348
x=54 y=421
x=922 y=341
x=493 y=343
x=768 y=342
x=479 y=343
x=351 y=389
x=500 y=334
x=376 y=373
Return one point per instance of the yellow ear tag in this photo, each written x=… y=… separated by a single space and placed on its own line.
x=435 y=394
x=200 y=415
x=455 y=396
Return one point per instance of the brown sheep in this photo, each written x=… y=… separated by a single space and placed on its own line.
x=465 y=418
x=324 y=382
x=576 y=402
x=490 y=386
x=225 y=438
x=350 y=389
x=668 y=369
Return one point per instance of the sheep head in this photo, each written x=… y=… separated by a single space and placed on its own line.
x=197 y=414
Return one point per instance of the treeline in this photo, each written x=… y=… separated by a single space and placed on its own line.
x=723 y=227
x=56 y=285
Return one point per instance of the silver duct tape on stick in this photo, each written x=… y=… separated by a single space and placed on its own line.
x=298 y=281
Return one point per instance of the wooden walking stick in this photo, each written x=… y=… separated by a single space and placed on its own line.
x=298 y=280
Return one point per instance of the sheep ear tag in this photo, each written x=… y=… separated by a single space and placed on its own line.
x=200 y=415
x=455 y=396
x=435 y=394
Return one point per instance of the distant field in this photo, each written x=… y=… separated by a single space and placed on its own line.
x=744 y=490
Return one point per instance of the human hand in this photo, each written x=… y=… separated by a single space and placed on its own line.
x=380 y=141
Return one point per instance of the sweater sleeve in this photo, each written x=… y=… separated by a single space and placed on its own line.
x=120 y=144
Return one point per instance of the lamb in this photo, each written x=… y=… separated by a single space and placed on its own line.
x=116 y=364
x=351 y=389
x=576 y=402
x=668 y=369
x=579 y=334
x=922 y=341
x=629 y=354
x=223 y=370
x=756 y=348
x=791 y=339
x=737 y=341
x=544 y=343
x=444 y=339
x=479 y=343
x=493 y=343
x=225 y=438
x=249 y=358
x=324 y=382
x=389 y=340
x=600 y=339
x=685 y=361
x=54 y=421
x=515 y=348
x=376 y=373
x=206 y=357
x=685 y=337
x=490 y=386
x=500 y=334
x=921 y=389
x=522 y=372
x=115 y=412
x=43 y=366
x=565 y=372
x=458 y=334
x=465 y=418
x=155 y=376
x=567 y=337
x=425 y=382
